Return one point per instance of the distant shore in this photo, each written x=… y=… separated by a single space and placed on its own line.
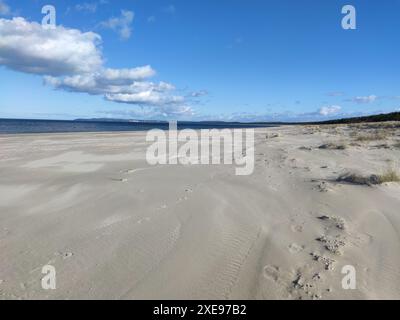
x=17 y=126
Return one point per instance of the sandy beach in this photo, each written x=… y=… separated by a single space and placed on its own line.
x=116 y=228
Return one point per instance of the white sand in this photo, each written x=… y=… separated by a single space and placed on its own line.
x=115 y=228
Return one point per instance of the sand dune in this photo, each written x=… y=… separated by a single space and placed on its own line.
x=116 y=228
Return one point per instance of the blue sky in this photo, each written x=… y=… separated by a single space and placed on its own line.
x=213 y=59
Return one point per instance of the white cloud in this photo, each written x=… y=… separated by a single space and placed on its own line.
x=329 y=110
x=197 y=94
x=123 y=86
x=149 y=97
x=122 y=24
x=71 y=60
x=123 y=75
x=28 y=47
x=4 y=8
x=86 y=6
x=153 y=113
x=364 y=99
x=104 y=80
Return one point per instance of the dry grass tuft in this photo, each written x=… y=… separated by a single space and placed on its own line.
x=272 y=135
x=372 y=136
x=334 y=146
x=389 y=175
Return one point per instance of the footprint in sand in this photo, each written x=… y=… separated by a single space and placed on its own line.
x=341 y=224
x=181 y=199
x=120 y=179
x=297 y=228
x=162 y=207
x=327 y=262
x=127 y=171
x=146 y=219
x=361 y=239
x=131 y=171
x=5 y=232
x=323 y=186
x=66 y=255
x=295 y=248
x=271 y=272
x=338 y=222
x=316 y=277
x=333 y=244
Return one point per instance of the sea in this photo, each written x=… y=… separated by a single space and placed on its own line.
x=14 y=126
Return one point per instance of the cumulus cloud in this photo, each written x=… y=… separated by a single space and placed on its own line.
x=329 y=110
x=123 y=86
x=122 y=24
x=71 y=60
x=121 y=76
x=364 y=99
x=28 y=47
x=4 y=8
x=104 y=80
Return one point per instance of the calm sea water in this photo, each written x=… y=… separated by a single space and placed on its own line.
x=10 y=126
